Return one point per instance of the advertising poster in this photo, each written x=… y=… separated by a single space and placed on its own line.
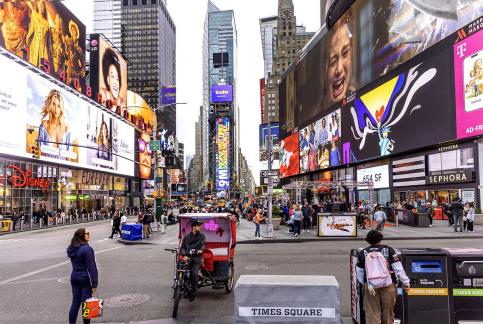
x=262 y=99
x=37 y=114
x=344 y=226
x=222 y=93
x=320 y=144
x=379 y=176
x=168 y=95
x=46 y=34
x=144 y=156
x=402 y=113
x=289 y=156
x=263 y=142
x=141 y=112
x=108 y=70
x=372 y=38
x=223 y=172
x=468 y=67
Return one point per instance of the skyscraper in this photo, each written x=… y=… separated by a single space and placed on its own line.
x=290 y=40
x=268 y=32
x=107 y=20
x=219 y=69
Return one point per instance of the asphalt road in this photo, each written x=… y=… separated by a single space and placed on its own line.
x=34 y=275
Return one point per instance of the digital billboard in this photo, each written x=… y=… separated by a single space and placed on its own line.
x=263 y=142
x=262 y=99
x=372 y=38
x=289 y=156
x=144 y=156
x=47 y=35
x=168 y=95
x=468 y=67
x=36 y=113
x=141 y=113
x=409 y=108
x=223 y=148
x=320 y=143
x=222 y=93
x=108 y=74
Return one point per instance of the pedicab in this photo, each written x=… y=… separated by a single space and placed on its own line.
x=217 y=268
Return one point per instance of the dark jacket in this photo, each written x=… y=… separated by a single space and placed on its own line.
x=146 y=219
x=83 y=263
x=193 y=242
x=457 y=208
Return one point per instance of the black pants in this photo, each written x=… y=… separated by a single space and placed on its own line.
x=115 y=230
x=195 y=265
x=470 y=226
x=81 y=290
x=296 y=227
x=307 y=223
x=451 y=219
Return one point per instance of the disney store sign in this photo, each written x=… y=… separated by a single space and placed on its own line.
x=22 y=179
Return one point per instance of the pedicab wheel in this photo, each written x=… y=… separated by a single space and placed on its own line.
x=231 y=278
x=177 y=296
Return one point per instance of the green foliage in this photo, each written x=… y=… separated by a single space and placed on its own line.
x=276 y=211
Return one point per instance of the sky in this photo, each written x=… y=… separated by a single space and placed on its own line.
x=189 y=17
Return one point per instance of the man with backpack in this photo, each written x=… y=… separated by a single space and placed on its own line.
x=378 y=268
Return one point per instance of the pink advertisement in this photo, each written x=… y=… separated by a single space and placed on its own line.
x=468 y=62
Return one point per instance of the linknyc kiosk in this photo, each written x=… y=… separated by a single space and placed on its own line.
x=446 y=287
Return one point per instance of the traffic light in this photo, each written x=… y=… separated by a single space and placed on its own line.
x=35 y=152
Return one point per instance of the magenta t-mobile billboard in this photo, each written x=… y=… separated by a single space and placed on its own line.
x=468 y=67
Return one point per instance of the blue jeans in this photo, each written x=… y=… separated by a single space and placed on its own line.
x=257 y=230
x=296 y=227
x=81 y=290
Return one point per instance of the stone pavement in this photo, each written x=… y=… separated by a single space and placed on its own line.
x=439 y=230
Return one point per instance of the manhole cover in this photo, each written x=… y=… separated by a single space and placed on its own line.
x=257 y=267
x=126 y=300
x=64 y=280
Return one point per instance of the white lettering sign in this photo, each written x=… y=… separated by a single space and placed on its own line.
x=379 y=176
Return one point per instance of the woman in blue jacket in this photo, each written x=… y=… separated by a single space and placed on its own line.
x=84 y=272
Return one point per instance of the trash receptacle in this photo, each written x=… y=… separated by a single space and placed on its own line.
x=466 y=279
x=427 y=301
x=132 y=232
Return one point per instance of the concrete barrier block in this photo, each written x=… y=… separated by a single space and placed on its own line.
x=287 y=299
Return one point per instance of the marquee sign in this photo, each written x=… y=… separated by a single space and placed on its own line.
x=22 y=179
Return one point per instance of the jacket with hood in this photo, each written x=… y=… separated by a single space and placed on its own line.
x=83 y=263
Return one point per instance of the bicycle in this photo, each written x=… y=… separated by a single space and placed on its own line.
x=181 y=282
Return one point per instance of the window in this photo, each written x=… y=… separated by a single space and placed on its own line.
x=153 y=1
x=144 y=2
x=451 y=160
x=125 y=2
x=134 y=2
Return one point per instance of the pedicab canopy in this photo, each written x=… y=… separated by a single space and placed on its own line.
x=217 y=227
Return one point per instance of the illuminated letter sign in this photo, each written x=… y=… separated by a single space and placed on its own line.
x=24 y=179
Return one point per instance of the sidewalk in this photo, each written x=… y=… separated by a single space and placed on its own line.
x=439 y=230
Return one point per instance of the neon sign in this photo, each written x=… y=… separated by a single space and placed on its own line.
x=222 y=154
x=24 y=179
x=211 y=226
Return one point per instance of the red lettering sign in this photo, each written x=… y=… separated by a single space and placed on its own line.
x=21 y=179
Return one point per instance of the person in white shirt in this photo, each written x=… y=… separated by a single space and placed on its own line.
x=380 y=217
x=123 y=219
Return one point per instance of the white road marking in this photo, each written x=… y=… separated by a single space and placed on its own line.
x=11 y=240
x=102 y=240
x=49 y=268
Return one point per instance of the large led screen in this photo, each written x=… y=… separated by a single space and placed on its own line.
x=289 y=156
x=36 y=113
x=108 y=70
x=222 y=93
x=144 y=155
x=372 y=38
x=46 y=34
x=320 y=144
x=468 y=67
x=409 y=108
x=222 y=154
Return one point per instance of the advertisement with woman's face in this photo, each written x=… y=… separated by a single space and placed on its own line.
x=144 y=155
x=112 y=76
x=369 y=40
x=52 y=123
x=100 y=129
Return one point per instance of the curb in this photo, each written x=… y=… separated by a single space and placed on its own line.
x=51 y=228
x=267 y=240
x=137 y=242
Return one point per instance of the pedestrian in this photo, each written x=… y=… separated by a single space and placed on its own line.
x=457 y=210
x=465 y=216
x=377 y=268
x=14 y=219
x=430 y=212
x=83 y=278
x=380 y=217
x=123 y=220
x=258 y=219
x=471 y=217
x=447 y=210
x=116 y=223
x=297 y=220
x=146 y=221
x=307 y=213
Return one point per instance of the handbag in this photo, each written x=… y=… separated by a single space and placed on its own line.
x=92 y=308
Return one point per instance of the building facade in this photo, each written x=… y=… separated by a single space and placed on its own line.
x=107 y=20
x=268 y=32
x=289 y=42
x=219 y=54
